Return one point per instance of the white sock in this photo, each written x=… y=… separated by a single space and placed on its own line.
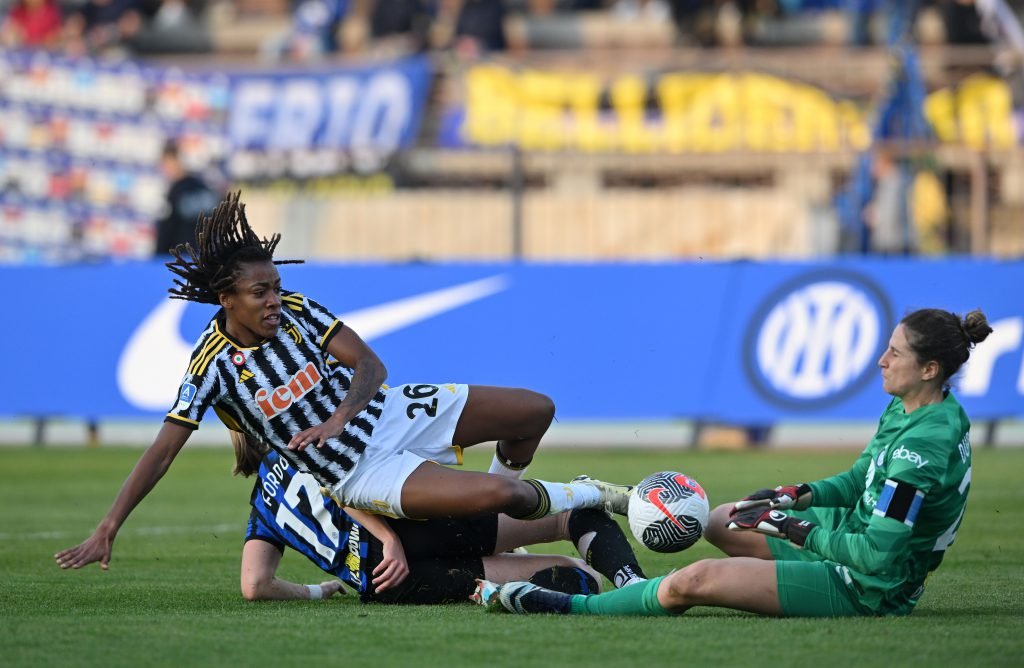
x=562 y=496
x=499 y=467
x=504 y=467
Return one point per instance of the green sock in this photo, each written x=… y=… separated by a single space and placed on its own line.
x=640 y=599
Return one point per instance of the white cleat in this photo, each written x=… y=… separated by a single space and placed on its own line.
x=614 y=497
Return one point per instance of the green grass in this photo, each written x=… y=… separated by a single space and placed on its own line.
x=171 y=596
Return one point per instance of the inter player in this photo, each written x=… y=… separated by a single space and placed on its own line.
x=410 y=561
x=858 y=543
x=261 y=364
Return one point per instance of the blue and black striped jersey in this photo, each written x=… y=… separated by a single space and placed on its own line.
x=288 y=510
x=277 y=389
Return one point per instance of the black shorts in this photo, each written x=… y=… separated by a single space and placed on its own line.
x=445 y=558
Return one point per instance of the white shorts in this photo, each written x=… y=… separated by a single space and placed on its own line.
x=417 y=425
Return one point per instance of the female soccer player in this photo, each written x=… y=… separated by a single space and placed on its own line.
x=410 y=561
x=857 y=543
x=261 y=364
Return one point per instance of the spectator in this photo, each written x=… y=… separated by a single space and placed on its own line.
x=888 y=215
x=479 y=27
x=33 y=24
x=102 y=25
x=899 y=16
x=172 y=26
x=313 y=32
x=403 y=20
x=188 y=196
x=963 y=24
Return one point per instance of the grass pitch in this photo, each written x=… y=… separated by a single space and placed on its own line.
x=171 y=596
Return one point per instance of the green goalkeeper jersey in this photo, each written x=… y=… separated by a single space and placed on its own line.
x=898 y=509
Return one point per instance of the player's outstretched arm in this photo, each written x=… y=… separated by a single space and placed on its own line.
x=151 y=466
x=260 y=582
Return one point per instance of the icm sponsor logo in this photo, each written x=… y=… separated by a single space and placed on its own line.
x=815 y=340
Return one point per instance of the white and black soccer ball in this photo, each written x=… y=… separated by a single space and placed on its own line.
x=668 y=511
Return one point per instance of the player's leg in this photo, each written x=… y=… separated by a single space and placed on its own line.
x=516 y=418
x=734 y=543
x=505 y=567
x=739 y=583
x=436 y=491
x=259 y=568
x=597 y=537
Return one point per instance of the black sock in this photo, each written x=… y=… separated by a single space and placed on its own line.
x=566 y=579
x=609 y=552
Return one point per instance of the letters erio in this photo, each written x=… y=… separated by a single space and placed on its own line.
x=280 y=398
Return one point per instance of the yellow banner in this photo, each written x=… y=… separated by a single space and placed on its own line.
x=704 y=113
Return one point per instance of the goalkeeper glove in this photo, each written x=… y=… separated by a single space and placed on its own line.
x=783 y=497
x=771 y=523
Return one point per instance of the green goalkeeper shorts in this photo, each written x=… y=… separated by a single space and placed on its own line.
x=814 y=589
x=807 y=585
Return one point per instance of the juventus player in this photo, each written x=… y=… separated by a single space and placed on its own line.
x=861 y=542
x=261 y=364
x=409 y=561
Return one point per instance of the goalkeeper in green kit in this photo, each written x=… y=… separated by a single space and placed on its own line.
x=858 y=543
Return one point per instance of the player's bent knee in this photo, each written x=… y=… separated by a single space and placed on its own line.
x=539 y=409
x=252 y=590
x=717 y=532
x=690 y=586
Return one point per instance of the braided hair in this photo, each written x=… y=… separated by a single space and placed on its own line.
x=224 y=241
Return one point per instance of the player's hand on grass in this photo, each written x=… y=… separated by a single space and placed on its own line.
x=332 y=587
x=97 y=547
x=393 y=567
x=771 y=523
x=783 y=497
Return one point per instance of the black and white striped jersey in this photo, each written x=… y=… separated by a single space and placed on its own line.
x=278 y=388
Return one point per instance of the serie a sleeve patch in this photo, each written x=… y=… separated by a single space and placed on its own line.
x=901 y=501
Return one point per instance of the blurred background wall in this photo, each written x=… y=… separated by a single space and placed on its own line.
x=536 y=131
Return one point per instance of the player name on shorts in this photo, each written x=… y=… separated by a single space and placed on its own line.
x=280 y=398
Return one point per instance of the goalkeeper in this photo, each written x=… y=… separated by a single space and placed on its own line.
x=858 y=543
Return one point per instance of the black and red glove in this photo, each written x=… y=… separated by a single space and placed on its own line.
x=783 y=497
x=771 y=523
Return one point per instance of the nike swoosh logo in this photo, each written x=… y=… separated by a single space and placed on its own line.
x=155 y=357
x=654 y=496
x=695 y=487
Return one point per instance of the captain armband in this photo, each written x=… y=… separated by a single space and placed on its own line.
x=900 y=501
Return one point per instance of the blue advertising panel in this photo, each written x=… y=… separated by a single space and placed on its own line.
x=81 y=140
x=744 y=343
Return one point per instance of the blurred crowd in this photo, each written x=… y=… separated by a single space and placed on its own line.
x=302 y=30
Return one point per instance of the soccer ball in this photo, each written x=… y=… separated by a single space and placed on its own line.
x=668 y=511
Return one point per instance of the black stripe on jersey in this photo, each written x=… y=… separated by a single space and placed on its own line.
x=184 y=422
x=352 y=441
x=330 y=334
x=362 y=423
x=303 y=461
x=344 y=382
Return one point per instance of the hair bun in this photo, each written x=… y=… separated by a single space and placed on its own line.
x=975 y=326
